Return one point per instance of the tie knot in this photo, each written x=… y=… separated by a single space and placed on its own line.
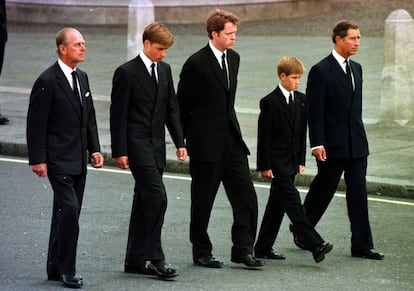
x=152 y=65
x=74 y=74
x=223 y=56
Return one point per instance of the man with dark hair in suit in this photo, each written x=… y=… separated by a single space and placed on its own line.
x=61 y=129
x=143 y=103
x=206 y=93
x=338 y=139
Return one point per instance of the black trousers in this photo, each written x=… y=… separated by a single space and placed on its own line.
x=2 y=48
x=322 y=190
x=233 y=171
x=64 y=232
x=147 y=217
x=285 y=198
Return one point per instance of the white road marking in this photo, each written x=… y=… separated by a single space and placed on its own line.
x=187 y=178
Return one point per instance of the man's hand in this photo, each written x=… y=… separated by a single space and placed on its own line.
x=181 y=154
x=122 y=162
x=320 y=154
x=98 y=160
x=267 y=174
x=40 y=169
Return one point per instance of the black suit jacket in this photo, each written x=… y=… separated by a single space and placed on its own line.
x=335 y=110
x=281 y=140
x=59 y=129
x=3 y=21
x=206 y=106
x=137 y=120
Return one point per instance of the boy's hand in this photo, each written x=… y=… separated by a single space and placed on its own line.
x=267 y=174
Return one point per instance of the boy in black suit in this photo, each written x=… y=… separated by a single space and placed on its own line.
x=280 y=156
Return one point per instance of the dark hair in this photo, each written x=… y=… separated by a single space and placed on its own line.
x=217 y=19
x=158 y=33
x=341 y=28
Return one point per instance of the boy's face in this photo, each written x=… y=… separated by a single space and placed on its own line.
x=155 y=51
x=291 y=82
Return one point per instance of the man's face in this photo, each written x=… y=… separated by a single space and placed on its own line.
x=73 y=51
x=226 y=38
x=291 y=82
x=348 y=45
x=155 y=51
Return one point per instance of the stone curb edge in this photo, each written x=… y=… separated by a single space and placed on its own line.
x=373 y=188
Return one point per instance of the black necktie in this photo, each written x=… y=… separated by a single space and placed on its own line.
x=224 y=68
x=153 y=76
x=75 y=86
x=348 y=71
x=291 y=105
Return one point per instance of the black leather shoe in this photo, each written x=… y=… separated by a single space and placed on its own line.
x=162 y=270
x=248 y=260
x=368 y=254
x=53 y=277
x=271 y=255
x=138 y=270
x=208 y=262
x=4 y=120
x=297 y=240
x=72 y=281
x=320 y=251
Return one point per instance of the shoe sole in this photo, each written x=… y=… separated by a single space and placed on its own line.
x=247 y=266
x=217 y=265
x=321 y=256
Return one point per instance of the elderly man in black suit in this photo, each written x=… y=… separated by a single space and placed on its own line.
x=338 y=139
x=206 y=93
x=143 y=103
x=61 y=129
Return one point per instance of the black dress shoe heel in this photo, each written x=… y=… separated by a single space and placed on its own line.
x=270 y=255
x=297 y=240
x=53 y=277
x=208 y=262
x=320 y=251
x=248 y=260
x=72 y=281
x=368 y=254
x=162 y=270
x=138 y=270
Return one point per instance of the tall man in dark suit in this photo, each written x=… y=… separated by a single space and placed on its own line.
x=281 y=150
x=61 y=129
x=206 y=93
x=337 y=137
x=143 y=103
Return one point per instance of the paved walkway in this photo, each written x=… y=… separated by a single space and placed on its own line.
x=31 y=49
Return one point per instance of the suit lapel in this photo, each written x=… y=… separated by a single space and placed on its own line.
x=284 y=106
x=65 y=86
x=85 y=94
x=216 y=67
x=144 y=78
x=339 y=73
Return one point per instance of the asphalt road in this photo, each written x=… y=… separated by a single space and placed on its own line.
x=25 y=213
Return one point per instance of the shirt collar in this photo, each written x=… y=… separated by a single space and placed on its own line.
x=285 y=92
x=65 y=68
x=217 y=53
x=147 y=61
x=340 y=59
